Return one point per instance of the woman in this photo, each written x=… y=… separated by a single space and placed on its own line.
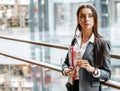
x=93 y=64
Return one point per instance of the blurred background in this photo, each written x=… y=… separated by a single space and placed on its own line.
x=49 y=21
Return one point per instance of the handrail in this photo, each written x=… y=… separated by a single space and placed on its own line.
x=47 y=44
x=31 y=61
x=110 y=83
x=53 y=67
x=36 y=43
x=115 y=56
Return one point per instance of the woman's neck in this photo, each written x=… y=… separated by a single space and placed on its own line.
x=85 y=36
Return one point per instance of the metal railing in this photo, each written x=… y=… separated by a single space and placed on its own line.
x=109 y=83
x=47 y=45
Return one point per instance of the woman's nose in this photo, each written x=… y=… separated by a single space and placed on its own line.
x=87 y=18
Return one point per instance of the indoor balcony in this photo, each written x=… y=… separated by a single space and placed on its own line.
x=20 y=72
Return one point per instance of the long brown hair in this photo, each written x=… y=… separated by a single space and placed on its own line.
x=98 y=54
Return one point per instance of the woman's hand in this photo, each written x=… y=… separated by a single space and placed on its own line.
x=85 y=64
x=70 y=72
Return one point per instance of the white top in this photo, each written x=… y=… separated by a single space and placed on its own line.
x=79 y=51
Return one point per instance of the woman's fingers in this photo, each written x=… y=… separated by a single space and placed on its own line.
x=71 y=72
x=71 y=68
x=82 y=63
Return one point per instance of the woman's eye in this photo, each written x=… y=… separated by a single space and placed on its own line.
x=90 y=15
x=85 y=16
x=82 y=16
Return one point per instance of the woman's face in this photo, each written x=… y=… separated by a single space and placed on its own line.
x=86 y=19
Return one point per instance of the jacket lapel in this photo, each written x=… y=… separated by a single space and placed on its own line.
x=88 y=50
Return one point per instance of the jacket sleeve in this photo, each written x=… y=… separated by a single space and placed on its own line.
x=105 y=70
x=65 y=64
x=66 y=61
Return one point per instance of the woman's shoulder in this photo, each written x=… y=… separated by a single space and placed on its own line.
x=105 y=41
x=73 y=41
